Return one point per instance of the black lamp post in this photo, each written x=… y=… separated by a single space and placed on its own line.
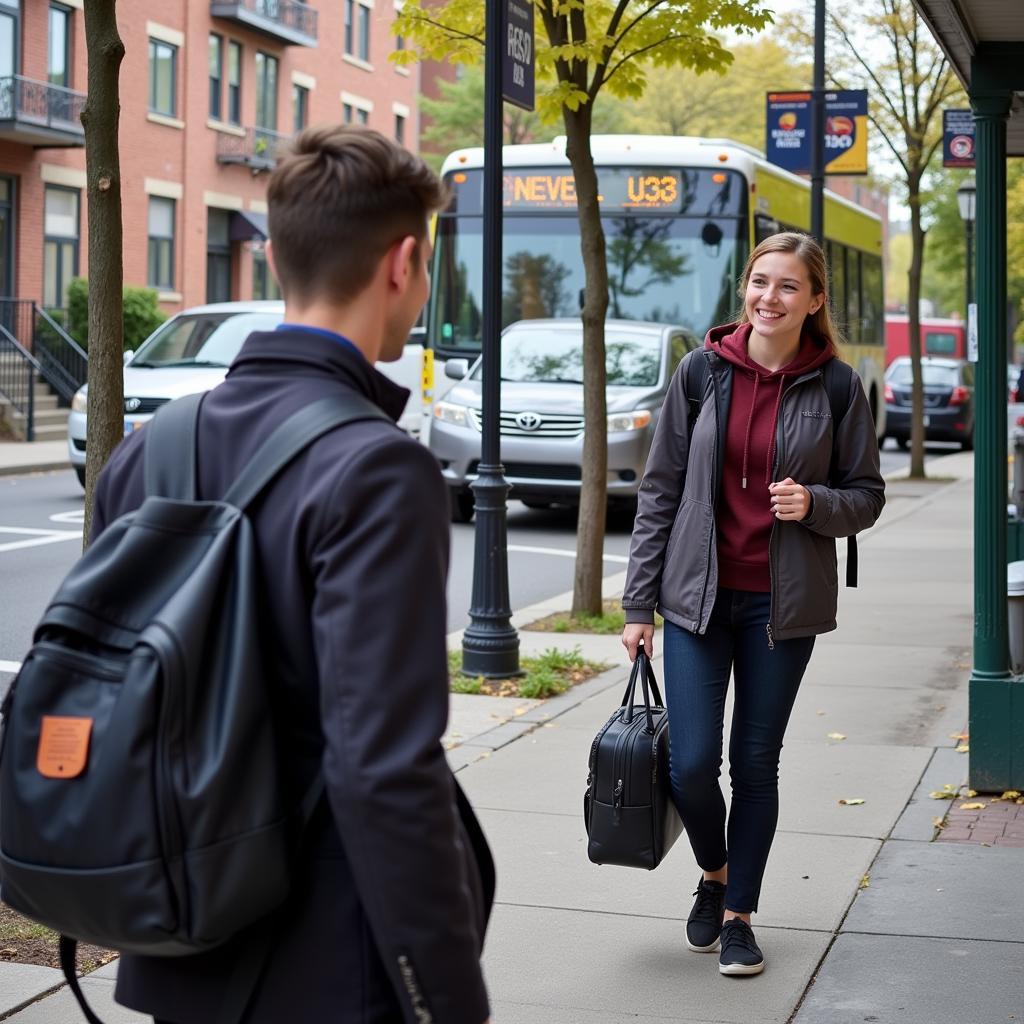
x=965 y=197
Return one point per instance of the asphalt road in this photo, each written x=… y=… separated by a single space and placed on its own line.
x=40 y=538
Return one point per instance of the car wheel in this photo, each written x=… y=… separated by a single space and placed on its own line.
x=462 y=506
x=534 y=503
x=967 y=444
x=80 y=473
x=903 y=442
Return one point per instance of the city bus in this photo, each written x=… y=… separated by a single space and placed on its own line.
x=680 y=217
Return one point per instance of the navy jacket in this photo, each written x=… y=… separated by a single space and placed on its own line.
x=387 y=919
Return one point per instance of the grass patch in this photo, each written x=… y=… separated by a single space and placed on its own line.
x=612 y=620
x=25 y=942
x=546 y=675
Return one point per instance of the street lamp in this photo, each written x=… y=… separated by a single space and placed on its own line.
x=965 y=199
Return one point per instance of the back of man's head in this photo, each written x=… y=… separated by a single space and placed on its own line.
x=339 y=198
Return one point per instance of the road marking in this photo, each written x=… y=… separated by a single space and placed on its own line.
x=10 y=666
x=525 y=550
x=76 y=516
x=37 y=538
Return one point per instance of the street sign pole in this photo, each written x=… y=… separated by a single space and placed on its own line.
x=818 y=127
x=490 y=645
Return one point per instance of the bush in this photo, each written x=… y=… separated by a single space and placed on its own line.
x=142 y=315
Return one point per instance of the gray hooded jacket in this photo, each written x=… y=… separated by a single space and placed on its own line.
x=673 y=558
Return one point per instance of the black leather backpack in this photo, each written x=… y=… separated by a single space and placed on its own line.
x=142 y=805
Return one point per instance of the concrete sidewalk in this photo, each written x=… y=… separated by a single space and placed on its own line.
x=18 y=457
x=863 y=917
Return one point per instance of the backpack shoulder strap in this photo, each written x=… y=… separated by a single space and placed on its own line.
x=695 y=383
x=296 y=433
x=837 y=377
x=170 y=450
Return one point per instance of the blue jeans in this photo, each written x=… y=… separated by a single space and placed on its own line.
x=696 y=681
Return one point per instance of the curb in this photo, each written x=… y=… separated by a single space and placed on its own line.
x=40 y=467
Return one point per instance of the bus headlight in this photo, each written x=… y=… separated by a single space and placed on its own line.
x=620 y=422
x=79 y=402
x=449 y=412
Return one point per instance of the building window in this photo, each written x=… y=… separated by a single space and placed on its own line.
x=160 y=272
x=362 y=116
x=216 y=74
x=300 y=106
x=59 y=59
x=219 y=270
x=346 y=113
x=363 y=25
x=266 y=91
x=399 y=43
x=263 y=284
x=163 y=73
x=234 y=83
x=10 y=33
x=60 y=243
x=349 y=22
x=400 y=129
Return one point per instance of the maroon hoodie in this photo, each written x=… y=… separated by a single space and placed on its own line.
x=744 y=515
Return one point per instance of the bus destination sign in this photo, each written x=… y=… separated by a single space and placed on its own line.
x=619 y=189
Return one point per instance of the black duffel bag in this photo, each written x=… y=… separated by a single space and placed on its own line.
x=628 y=809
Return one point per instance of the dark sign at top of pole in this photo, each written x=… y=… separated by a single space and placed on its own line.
x=957 y=138
x=517 y=72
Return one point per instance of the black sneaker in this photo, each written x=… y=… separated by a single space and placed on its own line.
x=704 y=925
x=740 y=952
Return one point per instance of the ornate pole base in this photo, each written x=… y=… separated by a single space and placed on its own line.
x=490 y=644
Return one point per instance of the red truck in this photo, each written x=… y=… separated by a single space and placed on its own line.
x=939 y=337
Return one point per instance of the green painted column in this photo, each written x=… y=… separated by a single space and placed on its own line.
x=992 y=688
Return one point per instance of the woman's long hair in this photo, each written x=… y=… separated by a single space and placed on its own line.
x=821 y=324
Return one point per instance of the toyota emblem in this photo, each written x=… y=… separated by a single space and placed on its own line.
x=528 y=421
x=132 y=404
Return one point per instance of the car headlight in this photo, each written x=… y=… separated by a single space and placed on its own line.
x=449 y=412
x=619 y=422
x=79 y=402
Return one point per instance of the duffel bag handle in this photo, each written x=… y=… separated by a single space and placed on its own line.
x=649 y=685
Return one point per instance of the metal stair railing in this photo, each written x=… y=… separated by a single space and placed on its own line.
x=18 y=372
x=62 y=362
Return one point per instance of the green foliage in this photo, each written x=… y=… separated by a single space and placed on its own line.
x=142 y=314
x=542 y=683
x=607 y=49
x=545 y=675
x=466 y=684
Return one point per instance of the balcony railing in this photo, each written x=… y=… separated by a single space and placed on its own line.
x=257 y=149
x=40 y=114
x=287 y=21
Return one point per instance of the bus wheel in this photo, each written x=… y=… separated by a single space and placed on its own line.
x=462 y=506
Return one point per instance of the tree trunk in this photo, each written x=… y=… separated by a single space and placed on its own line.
x=914 y=327
x=103 y=179
x=594 y=493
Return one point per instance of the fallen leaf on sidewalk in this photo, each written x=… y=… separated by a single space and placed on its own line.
x=959 y=736
x=819 y=712
x=864 y=882
x=971 y=793
x=852 y=802
x=963 y=748
x=1010 y=794
x=947 y=792
x=972 y=807
x=836 y=736
x=939 y=822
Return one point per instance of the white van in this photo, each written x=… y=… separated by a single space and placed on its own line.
x=192 y=351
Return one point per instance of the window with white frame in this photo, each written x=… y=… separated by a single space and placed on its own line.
x=163 y=74
x=160 y=269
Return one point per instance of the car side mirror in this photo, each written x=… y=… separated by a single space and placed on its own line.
x=456 y=368
x=127 y=356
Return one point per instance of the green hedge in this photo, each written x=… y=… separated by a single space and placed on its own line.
x=142 y=315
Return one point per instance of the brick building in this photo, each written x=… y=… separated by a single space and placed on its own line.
x=209 y=88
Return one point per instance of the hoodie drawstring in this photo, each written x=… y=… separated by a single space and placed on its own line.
x=746 y=439
x=775 y=427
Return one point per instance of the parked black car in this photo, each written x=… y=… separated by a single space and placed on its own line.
x=948 y=400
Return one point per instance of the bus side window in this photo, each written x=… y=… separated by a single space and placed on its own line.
x=853 y=300
x=871 y=299
x=837 y=266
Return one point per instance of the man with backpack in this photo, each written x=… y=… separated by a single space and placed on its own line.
x=388 y=903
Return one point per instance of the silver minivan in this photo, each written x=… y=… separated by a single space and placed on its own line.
x=542 y=410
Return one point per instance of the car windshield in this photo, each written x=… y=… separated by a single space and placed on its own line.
x=203 y=339
x=539 y=356
x=931 y=376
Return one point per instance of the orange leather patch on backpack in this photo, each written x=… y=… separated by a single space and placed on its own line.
x=63 y=746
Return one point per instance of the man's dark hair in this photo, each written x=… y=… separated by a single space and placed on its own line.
x=339 y=198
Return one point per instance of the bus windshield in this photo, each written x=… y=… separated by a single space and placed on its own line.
x=664 y=265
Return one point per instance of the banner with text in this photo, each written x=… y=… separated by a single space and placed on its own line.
x=788 y=141
x=957 y=138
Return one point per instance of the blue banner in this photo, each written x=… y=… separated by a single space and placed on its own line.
x=788 y=142
x=957 y=138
